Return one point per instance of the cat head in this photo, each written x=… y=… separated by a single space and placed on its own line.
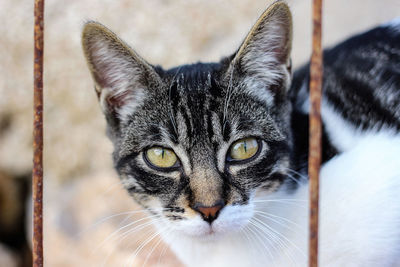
x=196 y=144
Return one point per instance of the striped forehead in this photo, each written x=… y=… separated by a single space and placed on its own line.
x=197 y=112
x=204 y=114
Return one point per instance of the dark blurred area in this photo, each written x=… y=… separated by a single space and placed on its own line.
x=14 y=194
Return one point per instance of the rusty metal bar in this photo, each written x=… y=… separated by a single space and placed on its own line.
x=37 y=172
x=314 y=158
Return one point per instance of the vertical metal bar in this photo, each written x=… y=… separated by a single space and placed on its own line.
x=37 y=173
x=314 y=158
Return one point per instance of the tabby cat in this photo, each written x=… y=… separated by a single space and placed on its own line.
x=217 y=152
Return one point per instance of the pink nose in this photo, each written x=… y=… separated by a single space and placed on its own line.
x=209 y=214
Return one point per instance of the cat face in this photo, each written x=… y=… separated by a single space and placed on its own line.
x=196 y=144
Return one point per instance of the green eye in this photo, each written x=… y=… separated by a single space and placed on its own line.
x=243 y=149
x=161 y=157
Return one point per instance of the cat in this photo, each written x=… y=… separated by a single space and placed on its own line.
x=217 y=152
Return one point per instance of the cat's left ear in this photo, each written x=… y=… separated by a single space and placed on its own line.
x=263 y=60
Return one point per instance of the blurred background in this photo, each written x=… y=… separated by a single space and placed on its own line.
x=84 y=203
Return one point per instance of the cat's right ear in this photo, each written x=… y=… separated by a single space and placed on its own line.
x=121 y=76
x=263 y=60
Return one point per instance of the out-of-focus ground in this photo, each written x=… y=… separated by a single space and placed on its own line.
x=81 y=189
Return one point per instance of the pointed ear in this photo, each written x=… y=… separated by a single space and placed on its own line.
x=121 y=76
x=263 y=59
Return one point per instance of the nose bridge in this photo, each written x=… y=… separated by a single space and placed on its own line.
x=206 y=186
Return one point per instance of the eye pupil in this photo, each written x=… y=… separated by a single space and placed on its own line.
x=244 y=149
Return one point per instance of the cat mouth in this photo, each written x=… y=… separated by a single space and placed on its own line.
x=210 y=234
x=206 y=233
x=214 y=231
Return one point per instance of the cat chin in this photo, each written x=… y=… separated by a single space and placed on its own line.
x=206 y=234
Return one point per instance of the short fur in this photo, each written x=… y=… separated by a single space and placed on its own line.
x=200 y=110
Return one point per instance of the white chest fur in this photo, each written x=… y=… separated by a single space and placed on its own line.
x=359 y=220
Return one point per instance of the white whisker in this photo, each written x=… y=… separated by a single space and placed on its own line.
x=260 y=225
x=272 y=239
x=291 y=177
x=153 y=248
x=284 y=237
x=301 y=176
x=164 y=248
x=124 y=235
x=282 y=199
x=294 y=202
x=138 y=249
x=121 y=228
x=249 y=238
x=261 y=240
x=100 y=221
x=271 y=216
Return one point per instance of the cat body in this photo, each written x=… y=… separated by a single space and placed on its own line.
x=217 y=153
x=359 y=217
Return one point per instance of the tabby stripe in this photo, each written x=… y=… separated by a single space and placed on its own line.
x=125 y=160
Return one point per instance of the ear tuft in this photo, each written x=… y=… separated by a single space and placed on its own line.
x=120 y=75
